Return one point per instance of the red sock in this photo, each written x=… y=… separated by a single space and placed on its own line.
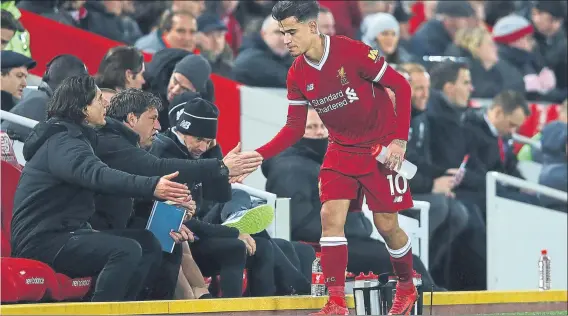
x=333 y=265
x=401 y=260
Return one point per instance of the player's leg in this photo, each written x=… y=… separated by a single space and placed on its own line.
x=387 y=193
x=336 y=192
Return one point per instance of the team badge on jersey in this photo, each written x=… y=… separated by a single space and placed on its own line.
x=373 y=55
x=342 y=76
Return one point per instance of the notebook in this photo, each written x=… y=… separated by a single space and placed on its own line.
x=164 y=218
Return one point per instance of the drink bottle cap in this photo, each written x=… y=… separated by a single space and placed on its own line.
x=544 y=252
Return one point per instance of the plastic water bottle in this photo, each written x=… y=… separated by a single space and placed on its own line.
x=544 y=271
x=407 y=169
x=318 y=280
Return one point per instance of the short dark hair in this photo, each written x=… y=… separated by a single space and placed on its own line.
x=9 y=22
x=111 y=73
x=301 y=10
x=323 y=9
x=61 y=67
x=445 y=72
x=510 y=101
x=71 y=98
x=166 y=21
x=133 y=101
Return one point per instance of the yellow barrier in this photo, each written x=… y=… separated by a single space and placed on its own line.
x=266 y=304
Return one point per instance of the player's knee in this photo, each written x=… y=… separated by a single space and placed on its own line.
x=333 y=219
x=386 y=223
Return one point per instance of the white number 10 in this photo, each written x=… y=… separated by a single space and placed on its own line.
x=395 y=184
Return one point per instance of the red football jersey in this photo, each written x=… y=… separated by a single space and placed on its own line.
x=347 y=89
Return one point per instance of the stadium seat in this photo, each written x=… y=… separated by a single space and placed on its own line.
x=24 y=279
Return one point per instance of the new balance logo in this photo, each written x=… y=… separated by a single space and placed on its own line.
x=397 y=199
x=310 y=87
x=351 y=95
x=185 y=124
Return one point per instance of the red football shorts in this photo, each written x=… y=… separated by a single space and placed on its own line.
x=352 y=176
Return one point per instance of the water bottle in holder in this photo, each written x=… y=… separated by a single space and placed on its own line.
x=544 y=271
x=318 y=280
x=388 y=293
x=366 y=293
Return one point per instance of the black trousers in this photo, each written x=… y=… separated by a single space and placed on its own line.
x=122 y=259
x=227 y=257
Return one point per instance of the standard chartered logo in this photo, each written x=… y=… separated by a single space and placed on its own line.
x=321 y=105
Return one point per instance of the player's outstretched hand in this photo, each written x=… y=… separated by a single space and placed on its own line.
x=395 y=154
x=240 y=163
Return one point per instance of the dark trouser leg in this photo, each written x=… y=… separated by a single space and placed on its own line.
x=261 y=269
x=306 y=255
x=223 y=256
x=289 y=278
x=120 y=258
x=164 y=282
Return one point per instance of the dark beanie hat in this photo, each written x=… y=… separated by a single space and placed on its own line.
x=176 y=105
x=196 y=69
x=556 y=8
x=198 y=119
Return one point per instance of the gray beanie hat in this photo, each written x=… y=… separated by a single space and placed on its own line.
x=511 y=28
x=377 y=23
x=196 y=69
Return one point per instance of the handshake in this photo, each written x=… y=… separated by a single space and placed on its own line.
x=241 y=164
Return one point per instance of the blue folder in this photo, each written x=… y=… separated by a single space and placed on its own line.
x=163 y=219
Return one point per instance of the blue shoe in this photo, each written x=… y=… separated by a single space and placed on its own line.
x=251 y=221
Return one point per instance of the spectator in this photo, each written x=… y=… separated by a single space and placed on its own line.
x=177 y=29
x=147 y=13
x=449 y=217
x=326 y=22
x=554 y=169
x=264 y=59
x=34 y=104
x=514 y=36
x=131 y=126
x=548 y=18
x=106 y=19
x=121 y=68
x=15 y=68
x=250 y=14
x=9 y=27
x=489 y=75
x=382 y=32
x=20 y=42
x=496 y=9
x=108 y=94
x=219 y=248
x=70 y=12
x=182 y=71
x=434 y=36
x=294 y=174
x=53 y=204
x=225 y=10
x=347 y=15
x=213 y=45
x=195 y=7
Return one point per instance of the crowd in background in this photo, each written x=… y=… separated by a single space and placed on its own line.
x=509 y=52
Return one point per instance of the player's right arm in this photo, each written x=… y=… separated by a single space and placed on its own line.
x=295 y=126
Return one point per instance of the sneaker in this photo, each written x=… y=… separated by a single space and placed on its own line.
x=404 y=300
x=251 y=221
x=332 y=308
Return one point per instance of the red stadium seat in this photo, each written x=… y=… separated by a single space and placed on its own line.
x=530 y=127
x=25 y=279
x=552 y=113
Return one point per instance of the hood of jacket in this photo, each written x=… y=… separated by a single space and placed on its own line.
x=44 y=130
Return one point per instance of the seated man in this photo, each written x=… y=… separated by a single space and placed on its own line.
x=554 y=163
x=222 y=250
x=131 y=124
x=294 y=174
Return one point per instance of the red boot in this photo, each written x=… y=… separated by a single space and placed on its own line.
x=404 y=300
x=333 y=308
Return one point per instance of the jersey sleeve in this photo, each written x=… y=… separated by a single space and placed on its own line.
x=295 y=122
x=373 y=67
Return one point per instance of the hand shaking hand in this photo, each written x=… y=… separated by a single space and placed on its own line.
x=241 y=164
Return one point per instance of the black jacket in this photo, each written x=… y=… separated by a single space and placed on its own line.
x=430 y=39
x=294 y=174
x=257 y=66
x=451 y=141
x=118 y=147
x=488 y=146
x=157 y=76
x=217 y=189
x=8 y=101
x=33 y=106
x=419 y=153
x=57 y=188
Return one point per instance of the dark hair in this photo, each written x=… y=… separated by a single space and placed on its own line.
x=111 y=73
x=71 y=98
x=62 y=67
x=510 y=101
x=496 y=9
x=301 y=10
x=323 y=9
x=445 y=72
x=10 y=22
x=166 y=22
x=5 y=71
x=133 y=101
